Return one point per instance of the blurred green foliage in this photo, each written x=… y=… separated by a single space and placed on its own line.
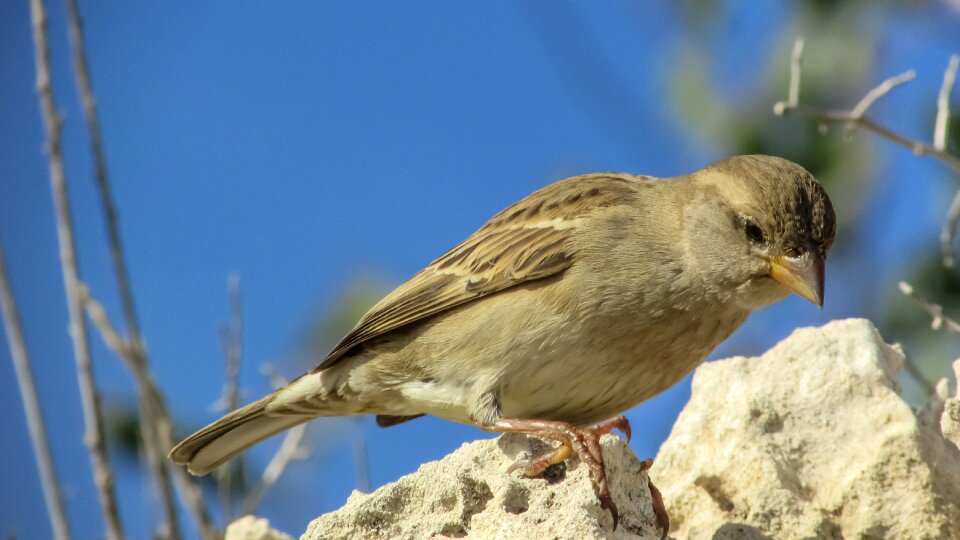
x=333 y=322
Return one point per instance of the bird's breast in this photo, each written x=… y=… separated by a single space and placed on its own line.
x=601 y=368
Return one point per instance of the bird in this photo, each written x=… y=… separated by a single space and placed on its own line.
x=563 y=311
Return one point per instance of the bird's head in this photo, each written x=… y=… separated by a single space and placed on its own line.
x=762 y=227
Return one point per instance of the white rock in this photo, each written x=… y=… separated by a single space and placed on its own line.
x=468 y=495
x=253 y=528
x=811 y=440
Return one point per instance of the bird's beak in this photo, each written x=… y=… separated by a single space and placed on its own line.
x=802 y=275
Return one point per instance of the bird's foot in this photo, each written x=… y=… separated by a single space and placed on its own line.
x=585 y=442
x=656 y=501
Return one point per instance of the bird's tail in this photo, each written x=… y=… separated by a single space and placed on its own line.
x=217 y=443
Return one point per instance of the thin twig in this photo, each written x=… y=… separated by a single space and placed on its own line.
x=189 y=491
x=85 y=89
x=361 y=461
x=93 y=419
x=231 y=338
x=948 y=232
x=52 y=495
x=290 y=450
x=858 y=118
x=153 y=402
x=879 y=91
x=126 y=351
x=796 y=60
x=98 y=316
x=844 y=117
x=938 y=321
x=169 y=526
x=943 y=104
x=155 y=423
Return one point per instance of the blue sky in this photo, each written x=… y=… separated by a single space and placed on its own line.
x=306 y=144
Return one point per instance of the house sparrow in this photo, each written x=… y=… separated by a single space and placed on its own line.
x=566 y=309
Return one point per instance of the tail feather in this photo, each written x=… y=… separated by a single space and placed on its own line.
x=215 y=444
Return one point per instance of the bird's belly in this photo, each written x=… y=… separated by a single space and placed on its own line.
x=581 y=387
x=545 y=364
x=584 y=380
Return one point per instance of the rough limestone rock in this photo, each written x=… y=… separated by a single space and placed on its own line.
x=811 y=440
x=253 y=528
x=468 y=494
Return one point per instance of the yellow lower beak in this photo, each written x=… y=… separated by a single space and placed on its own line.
x=801 y=275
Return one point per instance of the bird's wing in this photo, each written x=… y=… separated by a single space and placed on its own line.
x=527 y=241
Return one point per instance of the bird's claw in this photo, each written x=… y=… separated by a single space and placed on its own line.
x=606 y=503
x=585 y=442
x=620 y=423
x=535 y=466
x=523 y=465
x=656 y=501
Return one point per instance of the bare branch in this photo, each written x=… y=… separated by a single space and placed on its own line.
x=949 y=231
x=98 y=316
x=361 y=461
x=290 y=450
x=169 y=526
x=932 y=411
x=943 y=104
x=52 y=495
x=857 y=116
x=186 y=485
x=152 y=405
x=937 y=321
x=881 y=90
x=93 y=419
x=155 y=422
x=85 y=89
x=796 y=62
x=231 y=338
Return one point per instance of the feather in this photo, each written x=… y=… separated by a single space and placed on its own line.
x=529 y=240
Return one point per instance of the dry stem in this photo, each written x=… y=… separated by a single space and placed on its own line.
x=943 y=103
x=153 y=402
x=290 y=450
x=857 y=116
x=154 y=453
x=93 y=420
x=155 y=424
x=231 y=338
x=52 y=495
x=937 y=321
x=949 y=230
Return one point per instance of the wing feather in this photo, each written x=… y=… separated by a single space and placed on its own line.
x=530 y=240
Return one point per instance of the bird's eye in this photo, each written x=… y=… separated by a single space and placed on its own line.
x=753 y=232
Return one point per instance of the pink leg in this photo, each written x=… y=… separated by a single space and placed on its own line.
x=659 y=509
x=585 y=442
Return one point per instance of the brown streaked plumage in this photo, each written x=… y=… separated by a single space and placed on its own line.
x=580 y=301
x=527 y=241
